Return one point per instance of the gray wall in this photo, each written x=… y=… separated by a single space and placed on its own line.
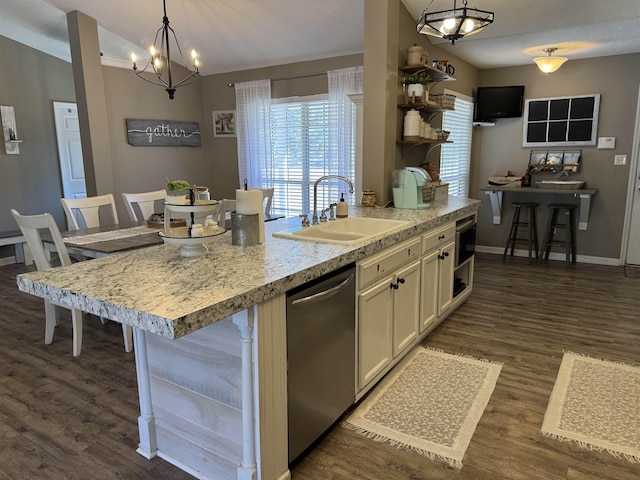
x=499 y=148
x=142 y=169
x=31 y=81
x=222 y=153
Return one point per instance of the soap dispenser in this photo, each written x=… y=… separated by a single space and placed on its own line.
x=342 y=210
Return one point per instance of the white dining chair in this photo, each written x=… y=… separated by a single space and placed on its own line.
x=145 y=201
x=88 y=210
x=31 y=227
x=267 y=195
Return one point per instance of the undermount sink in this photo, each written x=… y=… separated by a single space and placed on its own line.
x=342 y=231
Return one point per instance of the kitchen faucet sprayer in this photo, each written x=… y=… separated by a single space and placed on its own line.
x=315 y=193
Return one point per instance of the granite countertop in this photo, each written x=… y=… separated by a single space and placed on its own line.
x=157 y=290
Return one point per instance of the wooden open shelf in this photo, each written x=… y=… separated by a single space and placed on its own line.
x=435 y=74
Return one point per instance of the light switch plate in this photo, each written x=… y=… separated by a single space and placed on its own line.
x=607 y=143
x=620 y=160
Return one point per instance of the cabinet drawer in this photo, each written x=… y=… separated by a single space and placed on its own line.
x=385 y=262
x=438 y=237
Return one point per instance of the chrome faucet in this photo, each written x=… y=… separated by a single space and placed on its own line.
x=315 y=193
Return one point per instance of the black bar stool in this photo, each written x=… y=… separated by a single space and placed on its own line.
x=569 y=227
x=529 y=224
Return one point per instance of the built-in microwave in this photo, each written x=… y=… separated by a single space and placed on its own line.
x=465 y=240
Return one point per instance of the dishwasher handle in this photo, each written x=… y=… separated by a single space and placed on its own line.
x=318 y=297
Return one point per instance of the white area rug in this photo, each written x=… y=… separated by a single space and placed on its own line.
x=596 y=404
x=430 y=403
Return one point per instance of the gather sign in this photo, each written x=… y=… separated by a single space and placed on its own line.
x=162 y=133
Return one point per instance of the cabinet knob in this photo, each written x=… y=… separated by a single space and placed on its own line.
x=443 y=256
x=441 y=237
x=400 y=280
x=394 y=286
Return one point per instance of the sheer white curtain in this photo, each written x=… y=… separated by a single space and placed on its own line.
x=342 y=122
x=253 y=131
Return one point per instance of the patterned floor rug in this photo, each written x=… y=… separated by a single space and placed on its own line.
x=596 y=404
x=430 y=403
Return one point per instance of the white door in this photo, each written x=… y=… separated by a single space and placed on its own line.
x=70 y=150
x=633 y=249
x=633 y=245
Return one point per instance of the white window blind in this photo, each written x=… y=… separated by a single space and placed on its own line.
x=300 y=149
x=455 y=158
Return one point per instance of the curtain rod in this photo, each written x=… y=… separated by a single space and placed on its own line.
x=295 y=77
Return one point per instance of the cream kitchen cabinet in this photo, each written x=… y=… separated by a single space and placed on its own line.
x=388 y=308
x=438 y=259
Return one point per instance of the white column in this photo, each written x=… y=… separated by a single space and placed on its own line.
x=148 y=446
x=245 y=323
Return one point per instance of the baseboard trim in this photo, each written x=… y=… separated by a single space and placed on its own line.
x=7 y=260
x=632 y=271
x=553 y=256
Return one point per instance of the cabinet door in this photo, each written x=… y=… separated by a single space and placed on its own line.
x=446 y=263
x=429 y=290
x=406 y=307
x=375 y=310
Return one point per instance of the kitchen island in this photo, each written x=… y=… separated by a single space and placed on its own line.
x=210 y=334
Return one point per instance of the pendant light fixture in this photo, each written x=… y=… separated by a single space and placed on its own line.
x=549 y=64
x=160 y=60
x=454 y=24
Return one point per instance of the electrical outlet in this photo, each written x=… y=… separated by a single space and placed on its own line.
x=620 y=160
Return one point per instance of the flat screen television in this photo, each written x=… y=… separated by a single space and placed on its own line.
x=498 y=102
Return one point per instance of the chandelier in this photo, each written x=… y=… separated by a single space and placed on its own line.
x=454 y=24
x=549 y=64
x=160 y=60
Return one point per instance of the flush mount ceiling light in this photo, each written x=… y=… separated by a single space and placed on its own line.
x=160 y=55
x=454 y=24
x=549 y=64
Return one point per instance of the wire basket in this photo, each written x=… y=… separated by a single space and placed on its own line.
x=428 y=192
x=444 y=100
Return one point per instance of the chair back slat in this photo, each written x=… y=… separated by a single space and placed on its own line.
x=88 y=210
x=146 y=203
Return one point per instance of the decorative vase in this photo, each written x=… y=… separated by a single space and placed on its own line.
x=415 y=89
x=177 y=197
x=416 y=55
x=412 y=123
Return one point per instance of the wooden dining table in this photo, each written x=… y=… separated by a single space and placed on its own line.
x=110 y=239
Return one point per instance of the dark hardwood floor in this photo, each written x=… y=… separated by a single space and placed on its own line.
x=66 y=418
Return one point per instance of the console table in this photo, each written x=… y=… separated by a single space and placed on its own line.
x=584 y=194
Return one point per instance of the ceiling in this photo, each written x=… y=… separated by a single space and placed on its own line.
x=232 y=35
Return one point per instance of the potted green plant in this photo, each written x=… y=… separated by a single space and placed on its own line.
x=416 y=84
x=176 y=191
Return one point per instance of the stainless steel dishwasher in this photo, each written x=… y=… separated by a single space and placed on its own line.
x=320 y=355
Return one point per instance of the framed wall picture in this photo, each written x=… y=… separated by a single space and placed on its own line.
x=560 y=121
x=224 y=123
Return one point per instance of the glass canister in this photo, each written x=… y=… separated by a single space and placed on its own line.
x=368 y=198
x=201 y=194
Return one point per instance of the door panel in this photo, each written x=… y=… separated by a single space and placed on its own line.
x=70 y=150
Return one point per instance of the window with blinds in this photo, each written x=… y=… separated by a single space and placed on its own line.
x=455 y=158
x=299 y=150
